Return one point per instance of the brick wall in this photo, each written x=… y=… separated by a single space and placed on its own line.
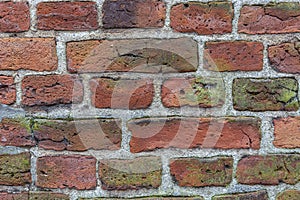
x=151 y=99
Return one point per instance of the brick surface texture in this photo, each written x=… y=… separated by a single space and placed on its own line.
x=149 y=100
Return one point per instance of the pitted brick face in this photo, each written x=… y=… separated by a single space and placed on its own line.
x=7 y=90
x=133 y=14
x=14 y=16
x=289 y=195
x=272 y=18
x=233 y=56
x=71 y=16
x=51 y=90
x=38 y=54
x=202 y=18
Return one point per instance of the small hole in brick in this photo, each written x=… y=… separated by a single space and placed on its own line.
x=186 y=5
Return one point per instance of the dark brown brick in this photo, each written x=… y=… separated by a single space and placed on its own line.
x=233 y=56
x=281 y=17
x=202 y=92
x=51 y=90
x=143 y=172
x=273 y=94
x=140 y=55
x=76 y=172
x=38 y=54
x=14 y=16
x=78 y=135
x=15 y=169
x=224 y=133
x=195 y=172
x=133 y=14
x=122 y=93
x=69 y=16
x=269 y=170
x=7 y=90
x=202 y=18
x=285 y=57
x=16 y=132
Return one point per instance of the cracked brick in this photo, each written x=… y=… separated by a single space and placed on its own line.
x=281 y=17
x=269 y=169
x=195 y=172
x=149 y=134
x=285 y=57
x=260 y=94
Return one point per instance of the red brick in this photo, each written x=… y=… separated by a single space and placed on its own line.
x=148 y=198
x=285 y=57
x=51 y=90
x=272 y=18
x=287 y=132
x=68 y=16
x=7 y=90
x=269 y=170
x=47 y=196
x=122 y=93
x=202 y=92
x=233 y=56
x=223 y=133
x=14 y=196
x=78 y=135
x=78 y=172
x=16 y=132
x=195 y=172
x=289 y=195
x=14 y=16
x=143 y=172
x=15 y=169
x=38 y=54
x=259 y=195
x=133 y=14
x=140 y=55
x=202 y=18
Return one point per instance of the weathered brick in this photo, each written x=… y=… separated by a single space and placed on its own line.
x=289 y=195
x=51 y=90
x=133 y=14
x=7 y=90
x=78 y=172
x=140 y=55
x=202 y=18
x=285 y=57
x=233 y=56
x=272 y=94
x=148 y=198
x=16 y=132
x=14 y=16
x=47 y=196
x=223 y=133
x=122 y=93
x=78 y=135
x=14 y=196
x=272 y=18
x=195 y=172
x=68 y=16
x=38 y=54
x=269 y=170
x=15 y=169
x=287 y=132
x=259 y=195
x=143 y=172
x=200 y=91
